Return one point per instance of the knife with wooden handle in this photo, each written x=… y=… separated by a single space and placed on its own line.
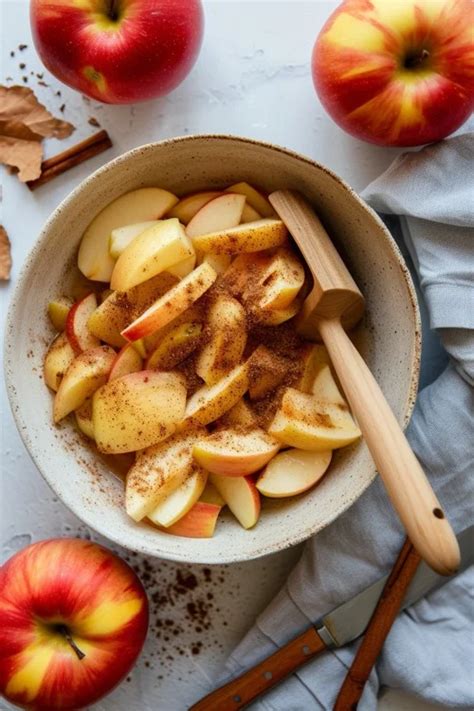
x=339 y=627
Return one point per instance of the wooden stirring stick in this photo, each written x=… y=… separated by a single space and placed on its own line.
x=379 y=626
x=335 y=303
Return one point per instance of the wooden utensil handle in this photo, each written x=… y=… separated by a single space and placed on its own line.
x=260 y=679
x=378 y=628
x=404 y=479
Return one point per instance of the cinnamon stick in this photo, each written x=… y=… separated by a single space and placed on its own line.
x=52 y=167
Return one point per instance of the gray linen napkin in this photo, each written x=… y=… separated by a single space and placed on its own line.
x=430 y=650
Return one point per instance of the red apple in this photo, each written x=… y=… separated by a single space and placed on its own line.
x=118 y=51
x=397 y=73
x=73 y=619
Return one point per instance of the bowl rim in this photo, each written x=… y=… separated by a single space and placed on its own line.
x=28 y=265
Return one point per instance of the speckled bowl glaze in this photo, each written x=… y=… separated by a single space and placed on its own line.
x=389 y=340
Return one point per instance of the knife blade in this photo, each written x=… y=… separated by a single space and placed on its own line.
x=348 y=621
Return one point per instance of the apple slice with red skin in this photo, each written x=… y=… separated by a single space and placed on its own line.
x=120 y=308
x=173 y=303
x=128 y=360
x=199 y=522
x=219 y=214
x=190 y=205
x=241 y=496
x=57 y=360
x=235 y=452
x=80 y=338
x=88 y=372
x=292 y=472
x=137 y=410
x=181 y=500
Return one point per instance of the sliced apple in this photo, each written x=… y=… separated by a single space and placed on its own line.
x=183 y=268
x=121 y=237
x=210 y=495
x=254 y=198
x=267 y=370
x=188 y=206
x=211 y=401
x=249 y=215
x=292 y=472
x=195 y=314
x=104 y=294
x=137 y=410
x=241 y=415
x=80 y=337
x=199 y=522
x=157 y=472
x=58 y=311
x=281 y=281
x=177 y=504
x=176 y=345
x=227 y=324
x=140 y=205
x=155 y=250
x=235 y=452
x=278 y=316
x=84 y=418
x=88 y=372
x=241 y=496
x=325 y=388
x=57 y=360
x=172 y=304
x=128 y=360
x=219 y=262
x=244 y=270
x=305 y=422
x=251 y=237
x=314 y=357
x=219 y=214
x=120 y=308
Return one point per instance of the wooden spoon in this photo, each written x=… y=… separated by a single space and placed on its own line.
x=335 y=303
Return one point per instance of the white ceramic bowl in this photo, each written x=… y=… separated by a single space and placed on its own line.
x=390 y=342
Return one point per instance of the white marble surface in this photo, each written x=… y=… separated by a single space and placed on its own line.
x=253 y=79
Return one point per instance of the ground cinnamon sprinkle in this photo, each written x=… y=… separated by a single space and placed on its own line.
x=183 y=601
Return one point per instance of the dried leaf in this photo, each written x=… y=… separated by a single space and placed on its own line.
x=5 y=255
x=24 y=122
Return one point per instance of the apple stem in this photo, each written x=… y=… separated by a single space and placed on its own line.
x=113 y=10
x=416 y=60
x=62 y=629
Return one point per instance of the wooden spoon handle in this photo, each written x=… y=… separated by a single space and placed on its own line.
x=404 y=479
x=379 y=626
x=260 y=679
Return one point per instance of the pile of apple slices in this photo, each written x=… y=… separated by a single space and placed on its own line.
x=181 y=359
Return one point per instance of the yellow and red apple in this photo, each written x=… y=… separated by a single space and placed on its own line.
x=73 y=620
x=118 y=51
x=397 y=73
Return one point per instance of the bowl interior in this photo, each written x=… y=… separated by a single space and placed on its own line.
x=388 y=339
